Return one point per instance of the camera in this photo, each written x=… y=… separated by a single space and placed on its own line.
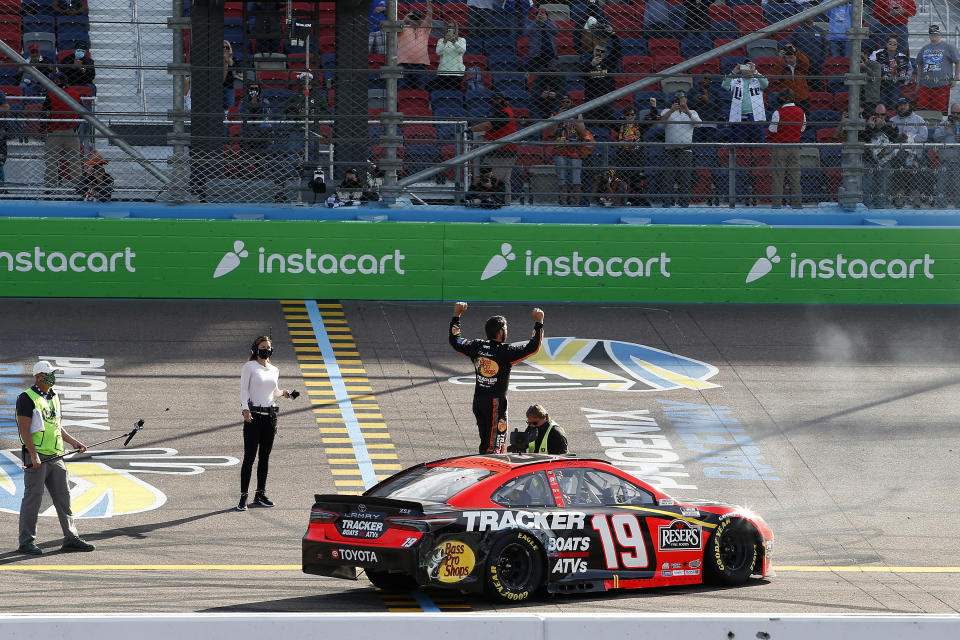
x=318 y=184
x=520 y=440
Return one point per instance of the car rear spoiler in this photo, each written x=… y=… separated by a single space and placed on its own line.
x=368 y=500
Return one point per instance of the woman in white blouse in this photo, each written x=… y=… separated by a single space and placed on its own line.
x=258 y=395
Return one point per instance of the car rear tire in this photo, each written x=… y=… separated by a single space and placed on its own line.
x=514 y=567
x=391 y=581
x=731 y=553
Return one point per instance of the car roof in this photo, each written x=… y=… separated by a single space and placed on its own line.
x=500 y=463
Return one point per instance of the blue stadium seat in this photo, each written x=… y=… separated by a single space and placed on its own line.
x=418 y=157
x=474 y=96
x=634 y=46
x=677 y=17
x=723 y=30
x=518 y=98
x=39 y=23
x=823 y=118
x=500 y=45
x=503 y=62
x=727 y=63
x=505 y=84
x=445 y=95
x=70 y=34
x=694 y=44
x=777 y=11
x=276 y=97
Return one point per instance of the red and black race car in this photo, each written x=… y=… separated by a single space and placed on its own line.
x=509 y=525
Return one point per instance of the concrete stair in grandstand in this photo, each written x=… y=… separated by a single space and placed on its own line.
x=116 y=40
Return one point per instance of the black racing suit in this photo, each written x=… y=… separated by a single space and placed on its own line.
x=492 y=362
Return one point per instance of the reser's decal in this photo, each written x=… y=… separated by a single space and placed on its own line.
x=680 y=535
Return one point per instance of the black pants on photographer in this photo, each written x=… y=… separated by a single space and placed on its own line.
x=677 y=168
x=502 y=163
x=258 y=436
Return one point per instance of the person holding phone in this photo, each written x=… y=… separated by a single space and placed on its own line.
x=679 y=122
x=746 y=88
x=451 y=48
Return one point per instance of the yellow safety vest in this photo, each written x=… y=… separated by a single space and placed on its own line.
x=50 y=440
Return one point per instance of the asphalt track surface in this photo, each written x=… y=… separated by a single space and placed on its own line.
x=846 y=419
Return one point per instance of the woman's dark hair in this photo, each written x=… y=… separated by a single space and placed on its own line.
x=255 y=345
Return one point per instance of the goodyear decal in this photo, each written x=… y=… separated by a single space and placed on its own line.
x=565 y=363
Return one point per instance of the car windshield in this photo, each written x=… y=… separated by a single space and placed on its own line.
x=431 y=484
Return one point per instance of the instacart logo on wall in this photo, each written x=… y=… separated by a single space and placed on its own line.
x=578 y=265
x=310 y=262
x=841 y=266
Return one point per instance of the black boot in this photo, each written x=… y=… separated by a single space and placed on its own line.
x=261 y=499
x=242 y=506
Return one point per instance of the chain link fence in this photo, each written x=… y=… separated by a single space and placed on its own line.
x=304 y=102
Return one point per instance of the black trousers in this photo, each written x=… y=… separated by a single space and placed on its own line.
x=491 y=414
x=257 y=436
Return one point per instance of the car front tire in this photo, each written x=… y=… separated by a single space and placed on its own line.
x=731 y=553
x=514 y=567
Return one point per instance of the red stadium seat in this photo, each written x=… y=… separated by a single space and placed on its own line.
x=419 y=132
x=747 y=13
x=626 y=20
x=719 y=13
x=665 y=62
x=274 y=78
x=739 y=51
x=820 y=100
x=637 y=64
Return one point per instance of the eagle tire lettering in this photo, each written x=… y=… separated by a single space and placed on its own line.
x=514 y=567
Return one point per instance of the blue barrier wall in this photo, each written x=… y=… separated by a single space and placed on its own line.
x=828 y=214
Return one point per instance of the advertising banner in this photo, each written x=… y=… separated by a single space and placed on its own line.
x=471 y=261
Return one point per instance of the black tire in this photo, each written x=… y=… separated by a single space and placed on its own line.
x=731 y=553
x=514 y=567
x=391 y=581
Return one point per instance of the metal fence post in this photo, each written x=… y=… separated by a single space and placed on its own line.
x=851 y=192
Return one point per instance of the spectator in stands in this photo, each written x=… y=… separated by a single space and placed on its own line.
x=255 y=133
x=948 y=177
x=377 y=39
x=746 y=87
x=908 y=177
x=938 y=70
x=706 y=100
x=786 y=127
x=4 y=128
x=42 y=64
x=450 y=48
x=62 y=139
x=839 y=23
x=679 y=122
x=656 y=18
x=608 y=189
x=78 y=66
x=267 y=27
x=872 y=93
x=813 y=42
x=697 y=19
x=70 y=7
x=95 y=185
x=629 y=157
x=480 y=18
x=231 y=77
x=547 y=89
x=600 y=67
x=486 y=190
x=896 y=69
x=893 y=16
x=543 y=42
x=588 y=39
x=878 y=157
x=499 y=123
x=793 y=67
x=413 y=48
x=567 y=157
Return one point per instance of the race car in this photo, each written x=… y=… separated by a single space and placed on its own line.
x=512 y=525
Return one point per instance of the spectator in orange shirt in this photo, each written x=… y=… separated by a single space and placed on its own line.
x=413 y=48
x=793 y=68
x=893 y=16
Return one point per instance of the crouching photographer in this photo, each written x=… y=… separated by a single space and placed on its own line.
x=487 y=191
x=542 y=435
x=608 y=189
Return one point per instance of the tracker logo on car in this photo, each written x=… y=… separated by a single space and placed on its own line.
x=680 y=535
x=497 y=520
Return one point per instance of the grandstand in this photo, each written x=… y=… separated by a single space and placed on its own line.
x=268 y=149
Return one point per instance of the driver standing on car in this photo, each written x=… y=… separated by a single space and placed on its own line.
x=492 y=360
x=543 y=434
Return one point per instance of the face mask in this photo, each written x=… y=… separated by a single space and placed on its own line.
x=49 y=379
x=265 y=353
